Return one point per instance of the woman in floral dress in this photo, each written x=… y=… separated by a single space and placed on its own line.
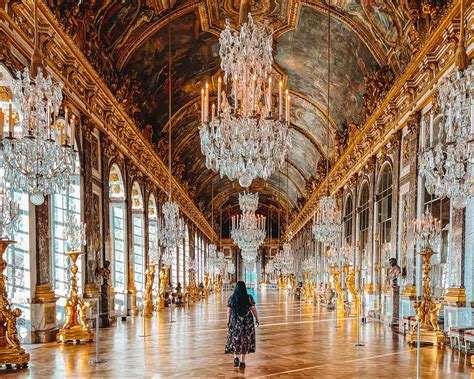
x=240 y=321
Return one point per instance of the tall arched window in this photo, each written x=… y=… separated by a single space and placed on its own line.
x=118 y=237
x=348 y=220
x=363 y=216
x=138 y=238
x=186 y=254
x=384 y=223
x=60 y=204
x=181 y=262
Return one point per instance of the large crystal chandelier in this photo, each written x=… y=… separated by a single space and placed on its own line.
x=230 y=268
x=38 y=152
x=246 y=137
x=9 y=212
x=170 y=229
x=428 y=232
x=327 y=221
x=448 y=165
x=286 y=259
x=248 y=229
x=154 y=250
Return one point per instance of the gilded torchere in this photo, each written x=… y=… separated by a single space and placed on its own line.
x=11 y=352
x=336 y=275
x=148 y=295
x=207 y=285
x=426 y=310
x=75 y=328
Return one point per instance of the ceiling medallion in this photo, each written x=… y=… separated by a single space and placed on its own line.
x=246 y=136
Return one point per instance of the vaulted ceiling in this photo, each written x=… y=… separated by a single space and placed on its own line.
x=127 y=42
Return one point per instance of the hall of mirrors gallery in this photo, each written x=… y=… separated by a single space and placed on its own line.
x=288 y=182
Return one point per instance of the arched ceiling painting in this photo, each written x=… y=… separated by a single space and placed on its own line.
x=127 y=42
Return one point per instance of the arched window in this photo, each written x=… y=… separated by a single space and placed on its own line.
x=186 y=254
x=384 y=205
x=363 y=215
x=61 y=204
x=181 y=262
x=118 y=237
x=138 y=238
x=174 y=269
x=348 y=220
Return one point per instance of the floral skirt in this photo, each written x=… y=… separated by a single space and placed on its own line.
x=241 y=336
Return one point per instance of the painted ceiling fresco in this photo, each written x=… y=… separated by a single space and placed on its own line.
x=191 y=47
x=302 y=53
x=127 y=43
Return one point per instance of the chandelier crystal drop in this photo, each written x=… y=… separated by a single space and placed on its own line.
x=284 y=260
x=167 y=255
x=154 y=250
x=248 y=229
x=327 y=221
x=448 y=164
x=170 y=228
x=230 y=268
x=10 y=218
x=428 y=232
x=38 y=152
x=246 y=137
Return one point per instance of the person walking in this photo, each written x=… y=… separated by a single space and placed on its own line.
x=241 y=313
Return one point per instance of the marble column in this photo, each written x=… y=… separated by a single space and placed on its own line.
x=43 y=305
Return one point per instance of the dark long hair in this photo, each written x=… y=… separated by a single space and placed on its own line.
x=240 y=299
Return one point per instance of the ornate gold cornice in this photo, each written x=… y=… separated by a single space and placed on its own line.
x=89 y=93
x=409 y=93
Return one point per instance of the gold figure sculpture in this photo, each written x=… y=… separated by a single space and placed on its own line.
x=11 y=352
x=207 y=285
x=160 y=302
x=351 y=287
x=217 y=283
x=336 y=275
x=426 y=310
x=75 y=328
x=147 y=310
x=307 y=291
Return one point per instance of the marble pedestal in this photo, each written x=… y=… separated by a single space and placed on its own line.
x=43 y=315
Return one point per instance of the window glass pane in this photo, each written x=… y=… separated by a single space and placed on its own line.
x=138 y=252
x=118 y=246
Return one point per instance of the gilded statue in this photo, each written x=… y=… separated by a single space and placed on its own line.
x=148 y=294
x=207 y=282
x=351 y=287
x=336 y=275
x=12 y=331
x=83 y=314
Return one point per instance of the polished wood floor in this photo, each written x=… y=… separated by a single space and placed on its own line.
x=293 y=341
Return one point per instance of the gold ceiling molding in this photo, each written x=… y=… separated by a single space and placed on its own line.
x=91 y=95
x=319 y=107
x=417 y=82
x=292 y=164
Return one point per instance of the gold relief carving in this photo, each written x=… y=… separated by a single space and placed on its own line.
x=406 y=151
x=5 y=94
x=404 y=233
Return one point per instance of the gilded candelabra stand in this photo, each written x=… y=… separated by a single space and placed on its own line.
x=352 y=288
x=426 y=310
x=308 y=288
x=217 y=283
x=207 y=285
x=192 y=288
x=148 y=307
x=75 y=328
x=164 y=276
x=11 y=352
x=336 y=275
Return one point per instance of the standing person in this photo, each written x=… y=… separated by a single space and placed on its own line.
x=241 y=312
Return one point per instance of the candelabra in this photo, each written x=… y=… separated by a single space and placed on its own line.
x=428 y=232
x=327 y=221
x=75 y=327
x=147 y=309
x=11 y=352
x=448 y=165
x=246 y=140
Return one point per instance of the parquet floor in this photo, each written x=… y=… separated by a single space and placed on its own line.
x=293 y=341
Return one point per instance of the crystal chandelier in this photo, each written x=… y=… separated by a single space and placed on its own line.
x=74 y=232
x=287 y=259
x=326 y=221
x=167 y=255
x=428 y=232
x=39 y=153
x=347 y=253
x=246 y=137
x=170 y=229
x=154 y=250
x=307 y=264
x=9 y=212
x=332 y=254
x=448 y=165
x=248 y=229
x=230 y=268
